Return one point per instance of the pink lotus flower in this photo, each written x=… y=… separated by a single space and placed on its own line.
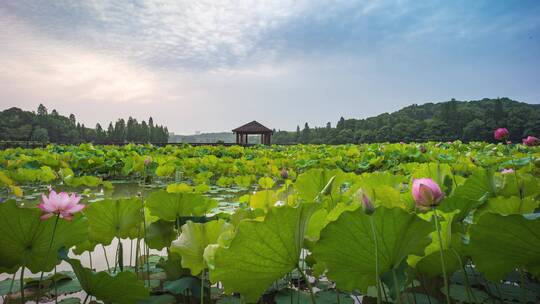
x=284 y=173
x=61 y=204
x=531 y=141
x=501 y=134
x=426 y=192
x=147 y=161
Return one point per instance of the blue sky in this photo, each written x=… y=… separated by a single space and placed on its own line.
x=213 y=65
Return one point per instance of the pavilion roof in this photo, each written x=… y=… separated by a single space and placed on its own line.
x=252 y=127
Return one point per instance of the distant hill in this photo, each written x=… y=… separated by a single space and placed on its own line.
x=444 y=121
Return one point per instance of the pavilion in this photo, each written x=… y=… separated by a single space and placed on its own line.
x=250 y=128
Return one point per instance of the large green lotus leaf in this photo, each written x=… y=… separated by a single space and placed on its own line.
x=508 y=205
x=435 y=171
x=382 y=188
x=84 y=246
x=25 y=239
x=261 y=251
x=310 y=183
x=109 y=218
x=194 y=239
x=347 y=246
x=430 y=262
x=470 y=195
x=122 y=288
x=160 y=234
x=527 y=184
x=263 y=199
x=501 y=243
x=171 y=206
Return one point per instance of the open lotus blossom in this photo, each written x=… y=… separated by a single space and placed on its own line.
x=61 y=204
x=426 y=192
x=501 y=134
x=531 y=141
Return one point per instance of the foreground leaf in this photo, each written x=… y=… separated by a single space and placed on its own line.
x=171 y=206
x=25 y=239
x=352 y=267
x=113 y=218
x=501 y=243
x=194 y=239
x=261 y=252
x=122 y=288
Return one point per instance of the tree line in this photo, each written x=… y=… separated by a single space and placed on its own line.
x=445 y=121
x=42 y=126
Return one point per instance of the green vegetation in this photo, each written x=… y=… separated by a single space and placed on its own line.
x=445 y=121
x=19 y=125
x=308 y=223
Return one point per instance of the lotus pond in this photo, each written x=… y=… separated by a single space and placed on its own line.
x=374 y=223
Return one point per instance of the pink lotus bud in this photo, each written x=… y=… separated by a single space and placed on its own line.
x=501 y=134
x=426 y=192
x=147 y=161
x=367 y=205
x=423 y=149
x=531 y=141
x=284 y=173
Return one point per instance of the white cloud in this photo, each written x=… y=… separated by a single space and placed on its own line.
x=39 y=67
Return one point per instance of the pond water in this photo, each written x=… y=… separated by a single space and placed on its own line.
x=102 y=255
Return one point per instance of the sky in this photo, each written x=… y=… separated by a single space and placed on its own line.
x=214 y=65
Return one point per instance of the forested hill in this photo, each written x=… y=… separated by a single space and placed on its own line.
x=19 y=125
x=444 y=121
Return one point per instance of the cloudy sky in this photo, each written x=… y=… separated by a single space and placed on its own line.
x=213 y=65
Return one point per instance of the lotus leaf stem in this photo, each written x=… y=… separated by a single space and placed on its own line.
x=379 y=294
x=445 y=278
x=396 y=287
x=38 y=293
x=21 y=284
x=308 y=283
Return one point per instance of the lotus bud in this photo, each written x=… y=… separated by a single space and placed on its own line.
x=423 y=149
x=531 y=141
x=147 y=161
x=366 y=203
x=426 y=193
x=284 y=173
x=501 y=134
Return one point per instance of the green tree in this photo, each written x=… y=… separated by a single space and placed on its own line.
x=40 y=134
